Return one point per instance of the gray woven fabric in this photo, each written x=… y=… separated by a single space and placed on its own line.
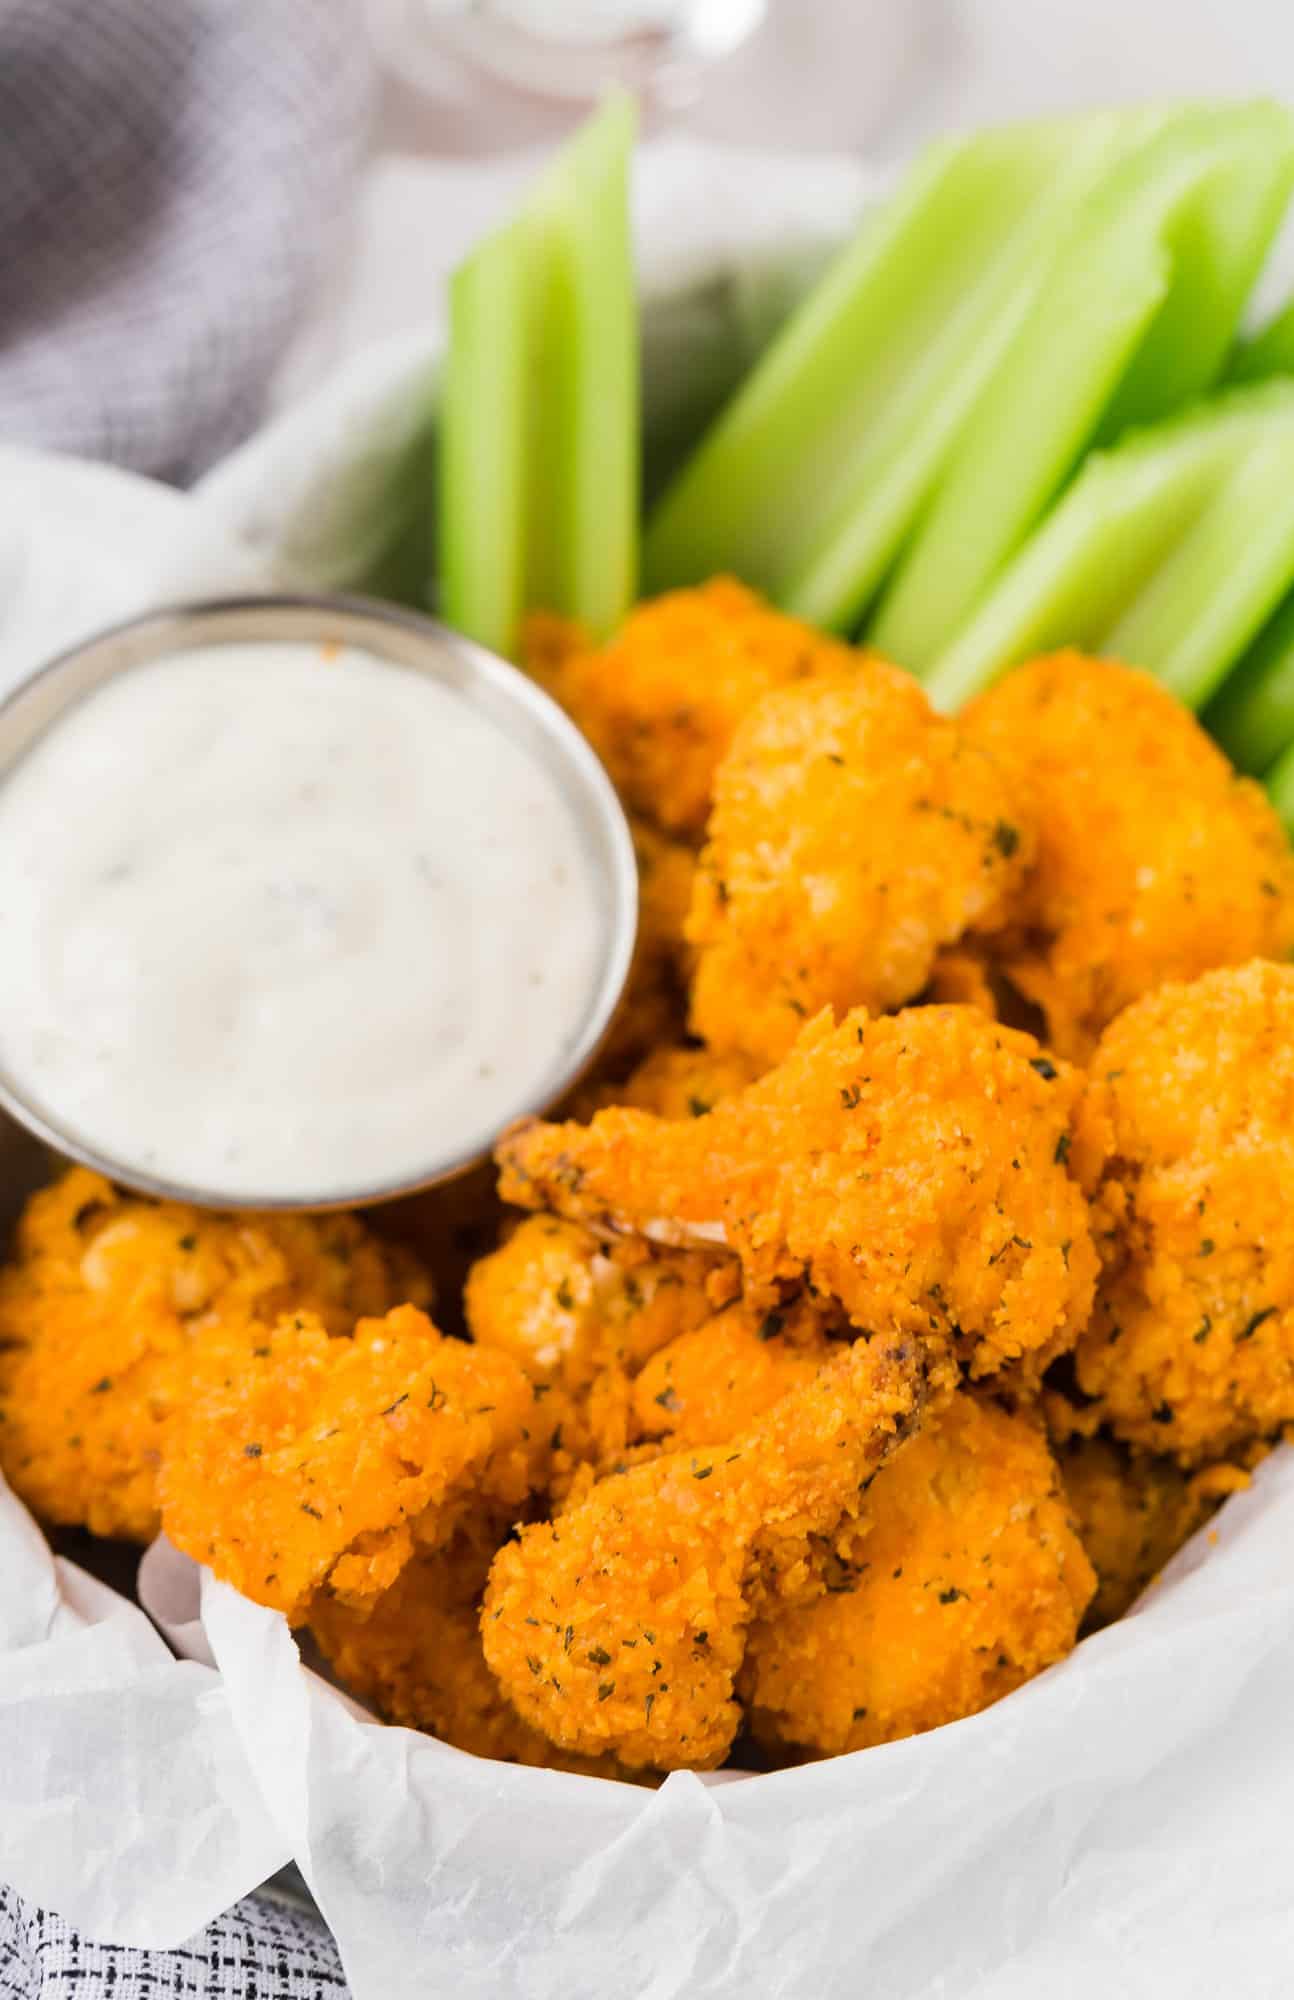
x=259 y=1951
x=171 y=176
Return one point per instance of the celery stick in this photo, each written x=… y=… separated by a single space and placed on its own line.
x=539 y=444
x=482 y=507
x=1136 y=315
x=1270 y=352
x=1202 y=608
x=1280 y=787
x=1179 y=501
x=584 y=396
x=813 y=475
x=1252 y=716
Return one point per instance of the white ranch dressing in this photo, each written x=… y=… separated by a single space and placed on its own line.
x=286 y=921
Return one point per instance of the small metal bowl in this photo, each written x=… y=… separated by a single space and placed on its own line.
x=507 y=697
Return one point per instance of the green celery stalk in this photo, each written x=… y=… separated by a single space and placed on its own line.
x=814 y=473
x=538 y=503
x=1269 y=352
x=1195 y=617
x=1135 y=317
x=1280 y=787
x=483 y=503
x=1252 y=715
x=1168 y=550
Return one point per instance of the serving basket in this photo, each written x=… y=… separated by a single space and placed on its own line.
x=1119 y=1824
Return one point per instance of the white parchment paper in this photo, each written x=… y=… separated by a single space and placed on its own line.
x=1121 y=1826
x=126 y=1798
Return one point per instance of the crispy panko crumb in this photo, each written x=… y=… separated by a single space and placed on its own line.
x=855 y=832
x=1186 y=1140
x=679 y=1081
x=566 y=1307
x=966 y=1580
x=1154 y=860
x=581 y=1317
x=622 y=1628
x=661 y=700
x=315 y=1463
x=721 y=1378
x=911 y=1168
x=414 y=1654
x=1133 y=1512
x=108 y=1309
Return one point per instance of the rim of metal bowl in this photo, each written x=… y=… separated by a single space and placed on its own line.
x=404 y=638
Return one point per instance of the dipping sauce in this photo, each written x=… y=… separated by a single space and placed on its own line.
x=286 y=922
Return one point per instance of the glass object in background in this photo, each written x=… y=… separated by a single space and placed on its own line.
x=572 y=49
x=566 y=52
x=491 y=76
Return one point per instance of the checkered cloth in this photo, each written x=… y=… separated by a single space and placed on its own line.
x=259 y=1951
x=171 y=177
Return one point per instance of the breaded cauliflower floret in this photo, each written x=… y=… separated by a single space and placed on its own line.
x=679 y=1081
x=566 y=1307
x=660 y=701
x=912 y=1169
x=1186 y=1140
x=1155 y=861
x=1132 y=1513
x=654 y=1002
x=108 y=1309
x=622 y=1627
x=317 y=1464
x=720 y=1378
x=965 y=1580
x=854 y=834
x=415 y=1655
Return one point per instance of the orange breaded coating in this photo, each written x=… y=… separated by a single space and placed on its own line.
x=660 y=701
x=318 y=1464
x=622 y=1627
x=854 y=833
x=720 y=1378
x=653 y=1006
x=960 y=978
x=565 y=1307
x=678 y=1081
x=415 y=1656
x=108 y=1308
x=1186 y=1139
x=966 y=1580
x=1133 y=1513
x=1155 y=861
x=911 y=1168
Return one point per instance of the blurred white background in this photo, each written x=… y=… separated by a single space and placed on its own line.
x=870 y=77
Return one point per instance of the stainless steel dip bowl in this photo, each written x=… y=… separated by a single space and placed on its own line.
x=507 y=698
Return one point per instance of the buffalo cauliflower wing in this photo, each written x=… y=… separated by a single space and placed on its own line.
x=965 y=1579
x=312 y=1464
x=1186 y=1138
x=1154 y=861
x=109 y=1309
x=620 y=1628
x=911 y=1169
x=855 y=833
x=660 y=701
